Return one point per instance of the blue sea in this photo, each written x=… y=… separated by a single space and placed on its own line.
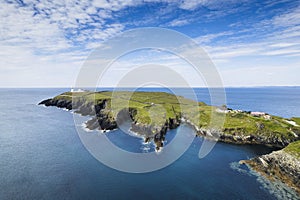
x=42 y=156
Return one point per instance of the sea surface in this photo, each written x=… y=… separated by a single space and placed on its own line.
x=42 y=156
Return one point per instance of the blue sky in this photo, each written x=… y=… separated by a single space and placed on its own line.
x=252 y=43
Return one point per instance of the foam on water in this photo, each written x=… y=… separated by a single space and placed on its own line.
x=238 y=167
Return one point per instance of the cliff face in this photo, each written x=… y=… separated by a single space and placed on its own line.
x=273 y=141
x=60 y=103
x=278 y=165
x=240 y=138
x=153 y=114
x=156 y=133
x=103 y=119
x=239 y=128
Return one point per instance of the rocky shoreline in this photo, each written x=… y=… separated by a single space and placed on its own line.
x=278 y=165
x=238 y=138
x=103 y=121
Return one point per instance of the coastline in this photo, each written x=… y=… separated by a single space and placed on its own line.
x=158 y=137
x=277 y=166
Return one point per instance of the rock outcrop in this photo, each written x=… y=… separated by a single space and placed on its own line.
x=102 y=119
x=278 y=165
x=60 y=103
x=273 y=141
x=221 y=136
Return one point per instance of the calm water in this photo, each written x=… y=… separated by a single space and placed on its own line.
x=42 y=156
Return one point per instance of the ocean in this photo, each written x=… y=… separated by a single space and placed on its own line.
x=42 y=156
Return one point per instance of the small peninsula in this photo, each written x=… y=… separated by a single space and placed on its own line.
x=152 y=114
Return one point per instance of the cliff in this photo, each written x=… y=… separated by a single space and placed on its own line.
x=283 y=165
x=153 y=113
x=150 y=119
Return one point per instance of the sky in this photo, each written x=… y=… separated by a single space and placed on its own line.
x=251 y=43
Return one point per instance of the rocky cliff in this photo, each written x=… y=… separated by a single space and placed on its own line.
x=166 y=113
x=278 y=165
x=152 y=114
x=102 y=118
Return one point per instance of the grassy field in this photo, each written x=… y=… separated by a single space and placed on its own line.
x=154 y=108
x=293 y=148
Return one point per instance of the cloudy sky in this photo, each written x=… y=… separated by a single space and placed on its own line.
x=252 y=43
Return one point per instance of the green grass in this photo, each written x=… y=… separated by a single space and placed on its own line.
x=154 y=108
x=293 y=148
x=247 y=124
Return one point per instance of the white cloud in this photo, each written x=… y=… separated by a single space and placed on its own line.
x=114 y=5
x=192 y=4
x=286 y=51
x=20 y=67
x=212 y=4
x=178 y=22
x=44 y=37
x=278 y=36
x=209 y=37
x=288 y=19
x=45 y=23
x=43 y=42
x=263 y=48
x=282 y=45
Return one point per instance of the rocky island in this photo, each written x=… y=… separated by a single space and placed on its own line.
x=152 y=114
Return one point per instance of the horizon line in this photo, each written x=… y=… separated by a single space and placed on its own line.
x=64 y=87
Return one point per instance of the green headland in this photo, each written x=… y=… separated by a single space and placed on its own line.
x=156 y=109
x=152 y=114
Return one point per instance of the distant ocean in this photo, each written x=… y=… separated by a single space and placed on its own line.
x=42 y=156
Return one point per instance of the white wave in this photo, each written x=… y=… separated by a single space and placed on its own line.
x=159 y=150
x=83 y=125
x=238 y=167
x=134 y=134
x=106 y=131
x=145 y=149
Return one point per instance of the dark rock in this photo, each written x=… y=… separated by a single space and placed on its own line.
x=126 y=115
x=147 y=139
x=46 y=102
x=61 y=103
x=92 y=124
